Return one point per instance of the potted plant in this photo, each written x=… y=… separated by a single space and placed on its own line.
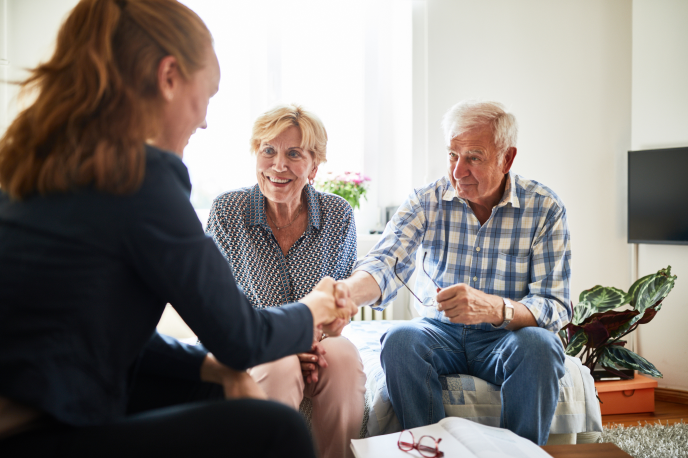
x=349 y=185
x=597 y=327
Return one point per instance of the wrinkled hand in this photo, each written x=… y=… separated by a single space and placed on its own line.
x=342 y=296
x=329 y=315
x=463 y=304
x=311 y=361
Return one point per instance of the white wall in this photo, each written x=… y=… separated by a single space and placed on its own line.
x=30 y=30
x=564 y=69
x=660 y=120
x=4 y=64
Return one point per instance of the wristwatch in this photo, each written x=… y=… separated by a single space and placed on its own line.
x=508 y=314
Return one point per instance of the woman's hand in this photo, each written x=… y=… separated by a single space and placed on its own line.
x=311 y=361
x=330 y=315
x=241 y=385
x=236 y=384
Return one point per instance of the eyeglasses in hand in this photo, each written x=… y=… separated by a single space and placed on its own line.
x=427 y=446
x=428 y=301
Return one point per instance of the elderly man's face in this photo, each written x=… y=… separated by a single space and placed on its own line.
x=475 y=169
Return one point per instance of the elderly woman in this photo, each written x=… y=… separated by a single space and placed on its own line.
x=97 y=234
x=281 y=236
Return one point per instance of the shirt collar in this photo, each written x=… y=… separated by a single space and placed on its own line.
x=255 y=210
x=509 y=195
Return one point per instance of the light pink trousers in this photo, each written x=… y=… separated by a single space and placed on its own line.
x=337 y=396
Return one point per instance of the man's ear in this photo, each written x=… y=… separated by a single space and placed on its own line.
x=508 y=159
x=168 y=77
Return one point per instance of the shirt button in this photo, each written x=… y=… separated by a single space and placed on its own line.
x=477 y=248
x=475 y=278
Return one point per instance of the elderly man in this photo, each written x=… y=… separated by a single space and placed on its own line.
x=494 y=284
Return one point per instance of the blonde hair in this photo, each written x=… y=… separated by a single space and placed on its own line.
x=275 y=121
x=471 y=114
x=96 y=98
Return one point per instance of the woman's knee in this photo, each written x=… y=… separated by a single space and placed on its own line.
x=343 y=363
x=285 y=369
x=340 y=351
x=281 y=380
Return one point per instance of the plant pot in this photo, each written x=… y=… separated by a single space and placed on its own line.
x=602 y=374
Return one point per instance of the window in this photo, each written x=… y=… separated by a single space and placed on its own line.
x=349 y=62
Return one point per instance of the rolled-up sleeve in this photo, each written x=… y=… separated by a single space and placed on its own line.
x=400 y=240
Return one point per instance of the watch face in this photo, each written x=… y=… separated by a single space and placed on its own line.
x=508 y=313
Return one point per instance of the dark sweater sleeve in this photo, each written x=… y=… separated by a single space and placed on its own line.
x=166 y=356
x=181 y=265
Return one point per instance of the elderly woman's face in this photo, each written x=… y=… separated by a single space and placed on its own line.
x=283 y=167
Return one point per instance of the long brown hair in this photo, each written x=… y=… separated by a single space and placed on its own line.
x=96 y=98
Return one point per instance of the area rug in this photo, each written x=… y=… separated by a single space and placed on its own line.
x=650 y=441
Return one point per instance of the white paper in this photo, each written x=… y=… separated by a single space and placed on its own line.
x=489 y=442
x=386 y=446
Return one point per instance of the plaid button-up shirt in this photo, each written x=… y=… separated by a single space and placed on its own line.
x=522 y=252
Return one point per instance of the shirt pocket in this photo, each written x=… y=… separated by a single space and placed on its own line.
x=512 y=275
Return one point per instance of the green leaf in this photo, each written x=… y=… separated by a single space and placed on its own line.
x=655 y=289
x=635 y=288
x=576 y=343
x=581 y=311
x=604 y=298
x=621 y=356
x=563 y=336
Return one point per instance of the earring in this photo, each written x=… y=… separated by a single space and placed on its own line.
x=311 y=181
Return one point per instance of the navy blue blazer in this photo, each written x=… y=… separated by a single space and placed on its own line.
x=84 y=278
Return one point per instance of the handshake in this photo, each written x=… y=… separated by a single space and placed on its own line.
x=331 y=305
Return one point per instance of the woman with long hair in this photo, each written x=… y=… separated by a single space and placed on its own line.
x=97 y=234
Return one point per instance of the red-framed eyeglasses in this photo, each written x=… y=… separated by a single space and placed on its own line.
x=427 y=446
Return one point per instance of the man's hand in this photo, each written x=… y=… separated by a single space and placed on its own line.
x=343 y=300
x=464 y=304
x=342 y=294
x=311 y=361
x=236 y=384
x=329 y=314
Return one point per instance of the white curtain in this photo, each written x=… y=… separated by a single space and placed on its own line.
x=349 y=62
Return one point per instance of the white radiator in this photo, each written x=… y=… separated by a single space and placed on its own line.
x=397 y=310
x=368 y=314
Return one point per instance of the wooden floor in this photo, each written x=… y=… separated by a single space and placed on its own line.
x=664 y=411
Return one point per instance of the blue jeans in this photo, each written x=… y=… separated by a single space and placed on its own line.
x=527 y=364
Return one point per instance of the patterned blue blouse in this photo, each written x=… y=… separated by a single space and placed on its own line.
x=239 y=226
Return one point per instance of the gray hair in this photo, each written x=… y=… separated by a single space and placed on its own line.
x=471 y=114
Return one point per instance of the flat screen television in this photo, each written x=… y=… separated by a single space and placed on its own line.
x=658 y=196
